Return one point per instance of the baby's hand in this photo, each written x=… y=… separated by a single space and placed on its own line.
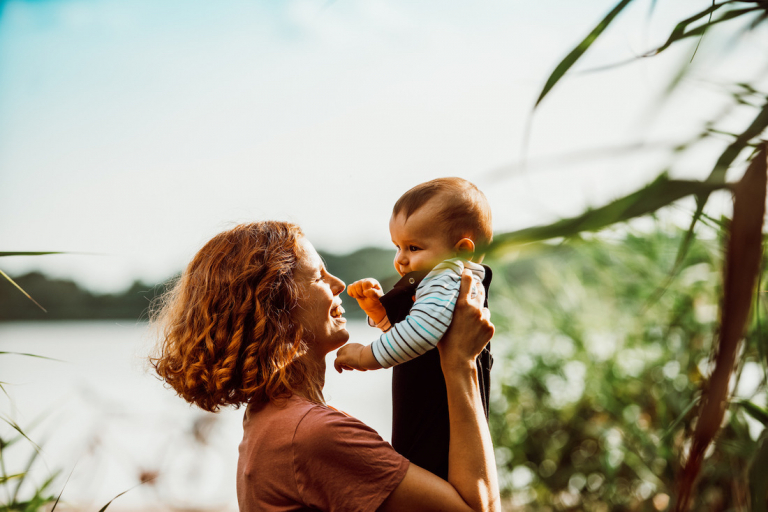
x=348 y=357
x=367 y=292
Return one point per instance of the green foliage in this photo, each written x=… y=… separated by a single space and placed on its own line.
x=582 y=47
x=598 y=387
x=723 y=486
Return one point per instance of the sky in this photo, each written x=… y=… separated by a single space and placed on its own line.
x=131 y=131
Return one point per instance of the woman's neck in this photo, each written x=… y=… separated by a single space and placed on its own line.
x=313 y=388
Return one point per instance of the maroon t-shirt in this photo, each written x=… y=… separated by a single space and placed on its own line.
x=303 y=456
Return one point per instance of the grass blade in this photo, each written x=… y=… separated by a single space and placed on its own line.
x=28 y=253
x=27 y=469
x=102 y=509
x=21 y=289
x=742 y=264
x=709 y=22
x=17 y=428
x=62 y=488
x=671 y=429
x=582 y=47
x=29 y=355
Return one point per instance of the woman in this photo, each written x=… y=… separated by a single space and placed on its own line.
x=250 y=322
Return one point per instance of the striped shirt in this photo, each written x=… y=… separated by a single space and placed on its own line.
x=430 y=315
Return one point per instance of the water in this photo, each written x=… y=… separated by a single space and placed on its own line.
x=100 y=415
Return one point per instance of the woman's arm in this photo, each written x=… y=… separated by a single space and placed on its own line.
x=428 y=319
x=472 y=482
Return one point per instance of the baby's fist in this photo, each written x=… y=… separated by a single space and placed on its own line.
x=367 y=288
x=367 y=292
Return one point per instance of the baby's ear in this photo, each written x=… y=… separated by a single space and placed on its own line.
x=465 y=248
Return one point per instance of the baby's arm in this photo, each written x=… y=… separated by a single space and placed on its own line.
x=367 y=293
x=429 y=318
x=354 y=356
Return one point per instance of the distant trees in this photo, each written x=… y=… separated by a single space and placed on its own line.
x=66 y=300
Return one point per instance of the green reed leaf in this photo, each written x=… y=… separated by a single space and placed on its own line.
x=758 y=125
x=679 y=31
x=699 y=31
x=582 y=47
x=660 y=193
x=717 y=175
x=755 y=411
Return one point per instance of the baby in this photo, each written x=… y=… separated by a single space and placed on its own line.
x=439 y=228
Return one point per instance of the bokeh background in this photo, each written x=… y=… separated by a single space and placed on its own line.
x=133 y=131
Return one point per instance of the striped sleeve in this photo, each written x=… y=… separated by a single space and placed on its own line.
x=430 y=315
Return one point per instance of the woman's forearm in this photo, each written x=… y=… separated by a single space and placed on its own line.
x=471 y=462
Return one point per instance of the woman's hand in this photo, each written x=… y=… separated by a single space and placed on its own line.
x=471 y=328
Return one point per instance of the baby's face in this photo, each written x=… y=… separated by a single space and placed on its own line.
x=421 y=241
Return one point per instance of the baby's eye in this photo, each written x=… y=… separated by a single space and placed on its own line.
x=413 y=248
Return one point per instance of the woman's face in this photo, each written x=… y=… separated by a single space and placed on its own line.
x=319 y=311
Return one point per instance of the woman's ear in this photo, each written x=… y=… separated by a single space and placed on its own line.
x=465 y=248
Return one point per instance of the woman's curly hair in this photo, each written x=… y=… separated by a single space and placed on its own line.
x=227 y=334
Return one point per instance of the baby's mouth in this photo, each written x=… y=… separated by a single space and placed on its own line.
x=337 y=311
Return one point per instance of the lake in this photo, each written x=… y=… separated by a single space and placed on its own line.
x=101 y=417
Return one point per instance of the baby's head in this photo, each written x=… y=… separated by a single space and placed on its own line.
x=437 y=220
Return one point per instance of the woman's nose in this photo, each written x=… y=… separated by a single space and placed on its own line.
x=337 y=285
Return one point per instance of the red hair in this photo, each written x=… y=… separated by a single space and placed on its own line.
x=227 y=332
x=464 y=210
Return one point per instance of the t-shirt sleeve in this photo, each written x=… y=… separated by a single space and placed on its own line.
x=341 y=464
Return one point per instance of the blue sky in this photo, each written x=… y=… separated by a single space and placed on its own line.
x=138 y=129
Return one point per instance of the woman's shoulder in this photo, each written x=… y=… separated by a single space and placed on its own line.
x=298 y=410
x=329 y=422
x=289 y=409
x=308 y=426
